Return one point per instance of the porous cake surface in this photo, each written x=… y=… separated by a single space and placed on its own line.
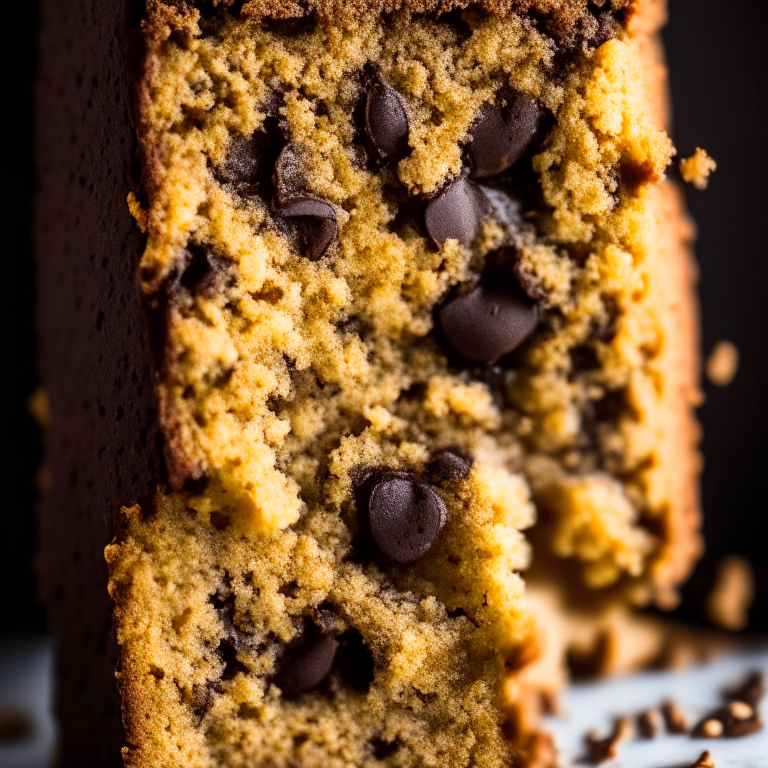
x=419 y=312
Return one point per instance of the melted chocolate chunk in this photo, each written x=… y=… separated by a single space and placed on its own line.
x=457 y=212
x=449 y=465
x=316 y=225
x=404 y=516
x=250 y=160
x=386 y=120
x=502 y=133
x=242 y=161
x=288 y=177
x=488 y=322
x=306 y=665
x=314 y=219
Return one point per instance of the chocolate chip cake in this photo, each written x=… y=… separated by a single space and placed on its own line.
x=382 y=403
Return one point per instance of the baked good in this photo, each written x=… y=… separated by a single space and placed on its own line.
x=419 y=315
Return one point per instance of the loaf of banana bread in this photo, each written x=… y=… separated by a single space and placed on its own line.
x=380 y=399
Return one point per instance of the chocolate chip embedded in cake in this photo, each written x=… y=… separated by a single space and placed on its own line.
x=403 y=515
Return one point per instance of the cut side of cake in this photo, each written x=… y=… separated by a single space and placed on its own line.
x=421 y=322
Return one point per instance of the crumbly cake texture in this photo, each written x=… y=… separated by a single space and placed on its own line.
x=422 y=307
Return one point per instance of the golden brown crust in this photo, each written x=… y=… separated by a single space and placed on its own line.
x=682 y=541
x=565 y=20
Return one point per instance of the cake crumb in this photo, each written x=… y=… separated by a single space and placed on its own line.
x=731 y=596
x=39 y=407
x=138 y=213
x=705 y=761
x=542 y=752
x=722 y=363
x=600 y=750
x=649 y=723
x=673 y=717
x=697 y=168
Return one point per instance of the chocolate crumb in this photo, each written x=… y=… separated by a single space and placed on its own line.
x=673 y=717
x=750 y=691
x=740 y=716
x=729 y=722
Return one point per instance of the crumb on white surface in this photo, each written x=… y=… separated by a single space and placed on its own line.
x=729 y=601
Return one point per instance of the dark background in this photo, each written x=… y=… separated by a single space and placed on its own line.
x=716 y=53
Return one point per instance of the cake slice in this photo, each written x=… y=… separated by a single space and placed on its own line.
x=420 y=328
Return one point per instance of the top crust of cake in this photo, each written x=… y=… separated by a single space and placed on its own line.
x=565 y=20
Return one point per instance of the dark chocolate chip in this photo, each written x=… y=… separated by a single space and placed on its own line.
x=316 y=222
x=288 y=177
x=386 y=119
x=502 y=133
x=308 y=664
x=457 y=212
x=242 y=160
x=404 y=516
x=487 y=322
x=449 y=465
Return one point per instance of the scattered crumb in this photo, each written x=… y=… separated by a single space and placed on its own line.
x=599 y=750
x=722 y=363
x=722 y=723
x=649 y=723
x=140 y=215
x=697 y=168
x=731 y=596
x=39 y=408
x=673 y=717
x=705 y=761
x=15 y=726
x=541 y=751
x=740 y=716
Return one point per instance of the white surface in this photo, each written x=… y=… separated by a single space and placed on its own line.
x=696 y=690
x=25 y=684
x=26 y=665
